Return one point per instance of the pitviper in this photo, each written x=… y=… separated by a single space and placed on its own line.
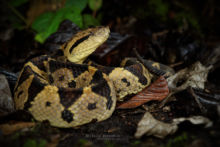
x=69 y=93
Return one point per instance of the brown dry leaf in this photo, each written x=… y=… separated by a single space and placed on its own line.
x=7 y=129
x=156 y=91
x=150 y=126
x=194 y=76
x=196 y=120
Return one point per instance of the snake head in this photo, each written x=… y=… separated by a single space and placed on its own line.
x=85 y=43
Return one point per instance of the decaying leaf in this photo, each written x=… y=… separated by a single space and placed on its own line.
x=156 y=91
x=196 y=120
x=7 y=129
x=150 y=126
x=6 y=101
x=195 y=77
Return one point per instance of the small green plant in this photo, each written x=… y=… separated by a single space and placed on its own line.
x=48 y=22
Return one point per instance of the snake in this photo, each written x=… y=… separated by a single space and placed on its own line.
x=68 y=92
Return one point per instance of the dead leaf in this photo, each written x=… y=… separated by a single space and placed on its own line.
x=196 y=120
x=7 y=129
x=150 y=126
x=156 y=91
x=194 y=76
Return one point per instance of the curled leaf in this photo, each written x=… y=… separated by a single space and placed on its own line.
x=196 y=120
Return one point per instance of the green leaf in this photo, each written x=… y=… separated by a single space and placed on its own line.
x=76 y=5
x=95 y=4
x=40 y=37
x=43 y=26
x=72 y=15
x=42 y=22
x=76 y=18
x=17 y=3
x=48 y=23
x=89 y=20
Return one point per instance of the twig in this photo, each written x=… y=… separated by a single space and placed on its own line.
x=203 y=110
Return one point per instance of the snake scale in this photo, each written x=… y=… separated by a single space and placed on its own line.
x=68 y=93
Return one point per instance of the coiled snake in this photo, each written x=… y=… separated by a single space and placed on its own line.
x=67 y=92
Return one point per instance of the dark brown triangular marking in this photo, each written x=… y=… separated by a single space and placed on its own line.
x=104 y=90
x=69 y=96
